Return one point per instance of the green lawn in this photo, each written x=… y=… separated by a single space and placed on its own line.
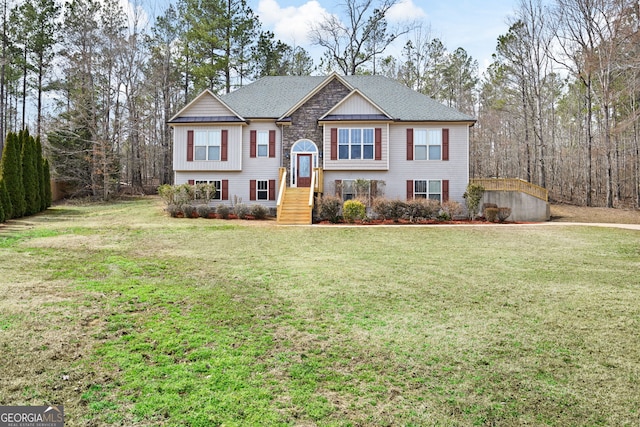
x=129 y=317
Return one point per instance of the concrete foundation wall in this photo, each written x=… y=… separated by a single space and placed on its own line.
x=523 y=206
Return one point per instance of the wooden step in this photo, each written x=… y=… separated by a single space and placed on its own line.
x=295 y=208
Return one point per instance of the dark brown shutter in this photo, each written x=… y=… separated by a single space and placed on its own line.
x=334 y=144
x=378 y=147
x=252 y=143
x=252 y=189
x=189 y=146
x=338 y=185
x=272 y=189
x=409 y=189
x=445 y=190
x=272 y=143
x=224 y=145
x=445 y=144
x=191 y=182
x=410 y=146
x=225 y=190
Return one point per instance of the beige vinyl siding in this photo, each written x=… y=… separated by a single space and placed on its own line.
x=207 y=106
x=260 y=165
x=456 y=169
x=356 y=104
x=234 y=149
x=361 y=164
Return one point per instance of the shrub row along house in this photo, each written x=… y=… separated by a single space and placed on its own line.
x=281 y=141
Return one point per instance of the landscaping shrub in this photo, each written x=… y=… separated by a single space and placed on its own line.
x=329 y=208
x=491 y=214
x=503 y=213
x=418 y=209
x=223 y=211
x=472 y=198
x=452 y=208
x=203 y=210
x=259 y=211
x=190 y=211
x=241 y=210
x=381 y=207
x=174 y=210
x=487 y=205
x=353 y=210
x=397 y=209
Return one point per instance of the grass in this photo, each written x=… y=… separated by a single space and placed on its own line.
x=129 y=317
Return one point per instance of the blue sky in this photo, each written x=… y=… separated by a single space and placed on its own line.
x=472 y=25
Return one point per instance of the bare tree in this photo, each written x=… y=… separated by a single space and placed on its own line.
x=352 y=44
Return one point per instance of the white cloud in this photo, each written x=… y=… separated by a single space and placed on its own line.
x=405 y=10
x=291 y=24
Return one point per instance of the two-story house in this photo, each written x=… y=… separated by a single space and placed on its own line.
x=280 y=140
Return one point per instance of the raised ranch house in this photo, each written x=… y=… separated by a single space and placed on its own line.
x=280 y=141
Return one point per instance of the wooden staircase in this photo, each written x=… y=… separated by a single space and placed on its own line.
x=295 y=209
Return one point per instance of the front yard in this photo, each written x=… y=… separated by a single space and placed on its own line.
x=129 y=317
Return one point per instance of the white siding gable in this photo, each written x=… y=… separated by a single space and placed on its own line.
x=206 y=106
x=355 y=104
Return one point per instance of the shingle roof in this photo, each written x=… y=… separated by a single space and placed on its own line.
x=271 y=97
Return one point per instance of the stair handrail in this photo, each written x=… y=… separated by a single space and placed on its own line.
x=311 y=189
x=281 y=190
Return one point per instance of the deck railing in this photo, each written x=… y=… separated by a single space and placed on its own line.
x=512 y=184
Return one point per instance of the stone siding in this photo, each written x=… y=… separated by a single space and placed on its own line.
x=304 y=121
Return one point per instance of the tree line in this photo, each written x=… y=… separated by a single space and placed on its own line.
x=557 y=107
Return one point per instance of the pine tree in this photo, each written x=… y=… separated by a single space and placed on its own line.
x=11 y=167
x=5 y=200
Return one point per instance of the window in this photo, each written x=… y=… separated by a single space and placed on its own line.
x=355 y=143
x=207 y=145
x=263 y=143
x=262 y=190
x=428 y=190
x=427 y=144
x=217 y=184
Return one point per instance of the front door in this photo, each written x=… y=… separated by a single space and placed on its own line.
x=304 y=170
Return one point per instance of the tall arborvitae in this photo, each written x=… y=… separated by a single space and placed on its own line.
x=3 y=217
x=30 y=174
x=12 y=174
x=5 y=200
x=47 y=179
x=42 y=183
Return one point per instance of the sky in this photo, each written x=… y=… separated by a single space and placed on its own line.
x=472 y=25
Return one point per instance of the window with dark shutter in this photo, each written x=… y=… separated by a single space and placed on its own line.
x=252 y=189
x=409 y=189
x=338 y=187
x=189 y=146
x=252 y=143
x=224 y=143
x=410 y=144
x=225 y=189
x=445 y=190
x=334 y=144
x=445 y=144
x=272 y=143
x=192 y=182
x=272 y=189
